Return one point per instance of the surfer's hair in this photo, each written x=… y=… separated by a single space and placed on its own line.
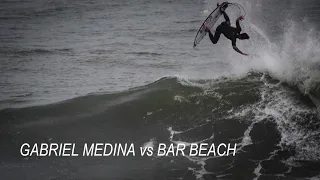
x=243 y=36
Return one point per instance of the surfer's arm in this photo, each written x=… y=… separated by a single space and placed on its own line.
x=238 y=23
x=226 y=17
x=237 y=49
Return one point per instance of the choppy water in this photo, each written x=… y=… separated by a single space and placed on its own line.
x=58 y=50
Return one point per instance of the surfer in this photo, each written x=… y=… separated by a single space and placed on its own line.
x=228 y=31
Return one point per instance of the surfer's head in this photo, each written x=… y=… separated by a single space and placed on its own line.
x=243 y=36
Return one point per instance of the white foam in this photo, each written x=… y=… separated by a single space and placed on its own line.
x=278 y=104
x=257 y=171
x=172 y=133
x=315 y=177
x=198 y=172
x=180 y=98
x=150 y=143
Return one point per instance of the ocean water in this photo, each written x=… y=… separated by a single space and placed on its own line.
x=125 y=72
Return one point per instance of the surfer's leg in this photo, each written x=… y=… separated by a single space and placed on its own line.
x=214 y=38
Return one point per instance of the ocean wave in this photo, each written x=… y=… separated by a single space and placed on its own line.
x=33 y=51
x=192 y=111
x=146 y=53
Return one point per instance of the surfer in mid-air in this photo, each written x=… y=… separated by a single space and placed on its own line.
x=228 y=31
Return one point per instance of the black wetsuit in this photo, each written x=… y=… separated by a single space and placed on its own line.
x=227 y=30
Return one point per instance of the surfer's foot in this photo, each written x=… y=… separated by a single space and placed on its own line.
x=205 y=27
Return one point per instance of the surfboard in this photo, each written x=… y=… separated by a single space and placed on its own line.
x=209 y=22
